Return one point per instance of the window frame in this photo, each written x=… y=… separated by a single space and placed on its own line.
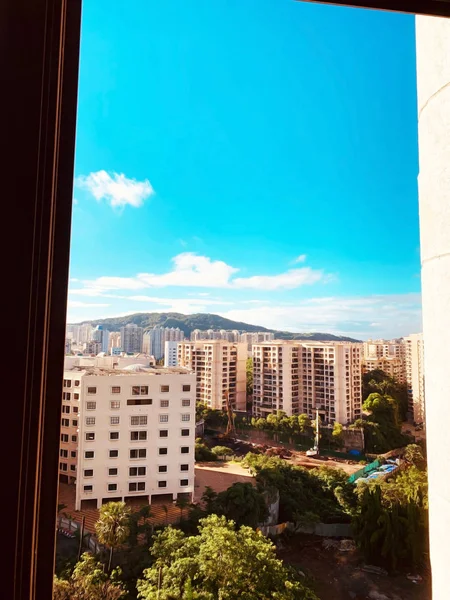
x=45 y=51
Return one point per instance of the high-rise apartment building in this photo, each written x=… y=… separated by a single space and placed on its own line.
x=302 y=377
x=215 y=334
x=392 y=366
x=131 y=338
x=256 y=337
x=154 y=339
x=170 y=354
x=220 y=369
x=127 y=432
x=114 y=341
x=415 y=376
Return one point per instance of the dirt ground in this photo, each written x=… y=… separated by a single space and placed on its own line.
x=337 y=575
x=304 y=461
x=219 y=476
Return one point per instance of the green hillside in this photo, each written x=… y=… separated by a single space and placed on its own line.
x=188 y=323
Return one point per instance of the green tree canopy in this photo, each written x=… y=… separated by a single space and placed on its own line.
x=242 y=503
x=220 y=563
x=88 y=582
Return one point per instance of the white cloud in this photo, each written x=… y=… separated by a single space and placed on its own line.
x=287 y=281
x=300 y=259
x=77 y=304
x=396 y=315
x=193 y=270
x=116 y=189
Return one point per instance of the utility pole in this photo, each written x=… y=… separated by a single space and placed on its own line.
x=80 y=547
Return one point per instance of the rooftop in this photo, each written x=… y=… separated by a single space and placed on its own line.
x=106 y=371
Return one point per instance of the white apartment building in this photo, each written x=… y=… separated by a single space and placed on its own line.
x=415 y=376
x=256 y=337
x=170 y=354
x=127 y=433
x=215 y=334
x=219 y=367
x=302 y=377
x=131 y=338
x=392 y=366
x=114 y=341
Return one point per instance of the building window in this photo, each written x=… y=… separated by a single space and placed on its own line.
x=113 y=453
x=90 y=436
x=164 y=389
x=141 y=420
x=63 y=466
x=162 y=484
x=184 y=449
x=163 y=433
x=67 y=383
x=114 y=420
x=185 y=432
x=90 y=420
x=186 y=417
x=140 y=453
x=65 y=422
x=76 y=396
x=184 y=467
x=113 y=471
x=66 y=409
x=89 y=454
x=75 y=409
x=185 y=402
x=66 y=395
x=92 y=390
x=112 y=487
x=114 y=404
x=164 y=403
x=74 y=438
x=136 y=487
x=73 y=467
x=74 y=423
x=87 y=489
x=91 y=405
x=89 y=472
x=77 y=382
x=139 y=401
x=138 y=436
x=163 y=418
x=64 y=453
x=73 y=454
x=139 y=390
x=65 y=438
x=137 y=471
x=162 y=451
x=186 y=387
x=162 y=469
x=113 y=435
x=115 y=389
x=184 y=482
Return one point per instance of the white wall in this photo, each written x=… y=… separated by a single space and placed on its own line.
x=433 y=83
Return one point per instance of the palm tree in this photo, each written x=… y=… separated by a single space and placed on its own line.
x=182 y=503
x=166 y=510
x=112 y=527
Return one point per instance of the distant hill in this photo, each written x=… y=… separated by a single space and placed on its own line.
x=188 y=323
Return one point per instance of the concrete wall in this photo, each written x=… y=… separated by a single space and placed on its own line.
x=433 y=83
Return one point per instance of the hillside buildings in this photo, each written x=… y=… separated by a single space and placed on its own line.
x=127 y=432
x=131 y=338
x=219 y=367
x=302 y=377
x=415 y=376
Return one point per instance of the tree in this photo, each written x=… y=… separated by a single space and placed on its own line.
x=208 y=497
x=242 y=503
x=222 y=451
x=113 y=526
x=249 y=371
x=182 y=503
x=88 y=582
x=203 y=453
x=222 y=562
x=413 y=455
x=338 y=435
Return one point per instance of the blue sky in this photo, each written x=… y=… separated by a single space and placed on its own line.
x=253 y=159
